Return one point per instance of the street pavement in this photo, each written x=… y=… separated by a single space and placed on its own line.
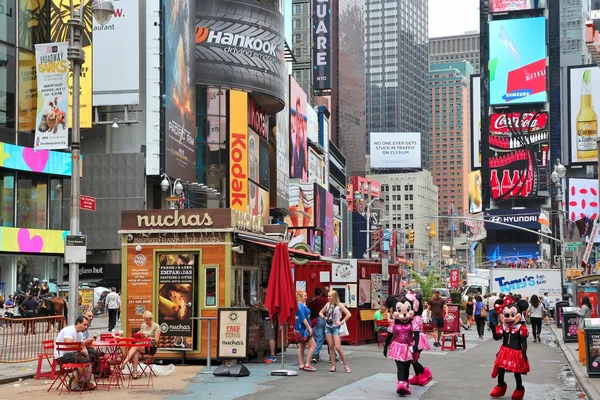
x=456 y=374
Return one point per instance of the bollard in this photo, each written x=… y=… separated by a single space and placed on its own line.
x=581 y=343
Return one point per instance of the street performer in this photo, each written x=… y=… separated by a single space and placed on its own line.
x=422 y=374
x=512 y=356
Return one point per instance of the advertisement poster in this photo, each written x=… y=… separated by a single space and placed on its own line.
x=312 y=124
x=322 y=64
x=60 y=14
x=86 y=300
x=364 y=292
x=344 y=273
x=280 y=125
x=176 y=274
x=452 y=319
x=337 y=224
x=475 y=196
x=593 y=355
x=376 y=300
x=570 y=327
x=302 y=202
x=264 y=165
x=315 y=168
x=395 y=150
x=584 y=95
x=351 y=297
x=52 y=69
x=518 y=155
x=232 y=334
x=27 y=92
x=119 y=39
x=238 y=150
x=582 y=202
x=328 y=246
x=139 y=288
x=259 y=201
x=180 y=95
x=497 y=6
x=517 y=66
x=454 y=278
x=592 y=294
x=253 y=156
x=476 y=121
x=298 y=135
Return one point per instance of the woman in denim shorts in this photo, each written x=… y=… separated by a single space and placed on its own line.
x=332 y=313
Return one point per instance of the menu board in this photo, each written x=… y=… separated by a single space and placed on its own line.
x=139 y=287
x=232 y=334
x=452 y=319
x=176 y=273
x=593 y=352
x=570 y=326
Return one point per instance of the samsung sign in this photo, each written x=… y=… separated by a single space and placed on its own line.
x=321 y=59
x=527 y=219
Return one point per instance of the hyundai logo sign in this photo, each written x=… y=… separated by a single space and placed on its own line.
x=527 y=219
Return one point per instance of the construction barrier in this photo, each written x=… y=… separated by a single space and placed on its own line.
x=21 y=338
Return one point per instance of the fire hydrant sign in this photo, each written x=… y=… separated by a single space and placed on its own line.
x=87 y=203
x=232 y=336
x=76 y=249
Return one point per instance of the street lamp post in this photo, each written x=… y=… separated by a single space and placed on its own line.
x=176 y=189
x=557 y=175
x=102 y=11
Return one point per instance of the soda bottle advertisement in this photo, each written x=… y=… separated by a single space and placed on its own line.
x=517 y=66
x=584 y=101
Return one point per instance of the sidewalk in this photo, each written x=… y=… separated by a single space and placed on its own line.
x=591 y=386
x=12 y=372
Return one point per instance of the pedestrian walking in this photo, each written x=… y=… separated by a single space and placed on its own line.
x=480 y=315
x=315 y=305
x=113 y=302
x=335 y=314
x=305 y=333
x=536 y=314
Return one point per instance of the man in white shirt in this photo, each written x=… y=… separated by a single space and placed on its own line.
x=73 y=333
x=113 y=302
x=546 y=301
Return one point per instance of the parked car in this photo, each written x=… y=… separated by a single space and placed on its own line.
x=444 y=294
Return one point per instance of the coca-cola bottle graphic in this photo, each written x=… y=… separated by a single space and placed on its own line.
x=523 y=183
x=495 y=184
x=515 y=182
x=506 y=183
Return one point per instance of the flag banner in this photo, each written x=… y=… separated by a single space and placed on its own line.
x=52 y=69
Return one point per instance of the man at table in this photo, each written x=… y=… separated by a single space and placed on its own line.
x=74 y=333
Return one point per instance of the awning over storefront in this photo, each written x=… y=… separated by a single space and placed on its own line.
x=270 y=245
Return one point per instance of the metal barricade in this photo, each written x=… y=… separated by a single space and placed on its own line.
x=21 y=338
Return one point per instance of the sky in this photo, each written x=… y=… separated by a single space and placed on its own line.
x=453 y=17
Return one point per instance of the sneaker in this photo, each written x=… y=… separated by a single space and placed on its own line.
x=309 y=368
x=315 y=360
x=268 y=360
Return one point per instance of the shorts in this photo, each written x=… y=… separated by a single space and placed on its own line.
x=151 y=350
x=438 y=321
x=269 y=330
x=332 y=330
x=72 y=357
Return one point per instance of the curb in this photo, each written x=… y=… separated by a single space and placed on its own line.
x=4 y=381
x=580 y=374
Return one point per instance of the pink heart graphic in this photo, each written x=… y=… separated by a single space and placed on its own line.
x=36 y=160
x=27 y=244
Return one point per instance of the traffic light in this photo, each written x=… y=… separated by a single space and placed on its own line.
x=411 y=237
x=410 y=265
x=432 y=231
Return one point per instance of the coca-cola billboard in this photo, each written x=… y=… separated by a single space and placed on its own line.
x=518 y=155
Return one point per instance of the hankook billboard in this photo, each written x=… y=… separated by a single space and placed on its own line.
x=239 y=43
x=321 y=59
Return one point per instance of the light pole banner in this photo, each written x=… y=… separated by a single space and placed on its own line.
x=52 y=69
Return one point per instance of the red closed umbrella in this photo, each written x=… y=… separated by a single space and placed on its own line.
x=281 y=293
x=281 y=296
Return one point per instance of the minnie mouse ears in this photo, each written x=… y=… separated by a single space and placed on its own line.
x=521 y=305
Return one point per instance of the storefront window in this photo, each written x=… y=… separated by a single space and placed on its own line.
x=210 y=287
x=7 y=198
x=33 y=26
x=8 y=65
x=8 y=16
x=32 y=199
x=56 y=211
x=29 y=268
x=245 y=286
x=27 y=92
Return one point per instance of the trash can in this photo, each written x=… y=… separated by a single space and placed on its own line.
x=592 y=346
x=558 y=309
x=570 y=321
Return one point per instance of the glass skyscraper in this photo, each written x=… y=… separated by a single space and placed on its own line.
x=397 y=69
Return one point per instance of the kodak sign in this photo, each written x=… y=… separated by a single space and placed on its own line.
x=238 y=150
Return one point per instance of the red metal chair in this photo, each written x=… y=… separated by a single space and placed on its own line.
x=382 y=323
x=292 y=338
x=146 y=359
x=48 y=356
x=68 y=371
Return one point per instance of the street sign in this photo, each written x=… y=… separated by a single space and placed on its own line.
x=76 y=249
x=87 y=203
x=572 y=246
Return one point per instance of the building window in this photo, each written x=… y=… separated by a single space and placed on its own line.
x=7 y=87
x=32 y=198
x=56 y=209
x=7 y=198
x=297 y=9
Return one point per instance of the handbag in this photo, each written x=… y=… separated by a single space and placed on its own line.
x=299 y=338
x=484 y=313
x=344 y=330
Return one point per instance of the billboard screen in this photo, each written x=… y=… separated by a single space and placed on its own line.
x=238 y=150
x=328 y=241
x=302 y=201
x=298 y=126
x=475 y=202
x=312 y=124
x=395 y=149
x=583 y=202
x=119 y=39
x=239 y=44
x=584 y=95
x=180 y=94
x=511 y=254
x=280 y=125
x=497 y=6
x=322 y=40
x=315 y=168
x=475 y=121
x=518 y=155
x=517 y=66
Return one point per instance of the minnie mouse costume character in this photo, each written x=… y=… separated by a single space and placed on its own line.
x=402 y=341
x=422 y=374
x=512 y=356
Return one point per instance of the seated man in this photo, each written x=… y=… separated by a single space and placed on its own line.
x=74 y=334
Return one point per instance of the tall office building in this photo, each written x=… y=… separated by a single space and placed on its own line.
x=396 y=66
x=573 y=15
x=455 y=48
x=301 y=43
x=450 y=139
